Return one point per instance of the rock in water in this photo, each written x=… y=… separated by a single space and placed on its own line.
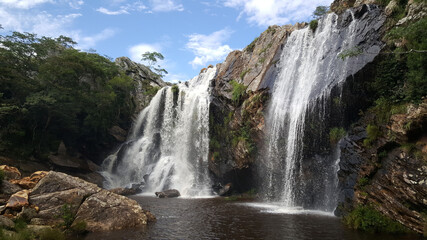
x=225 y=190
x=171 y=193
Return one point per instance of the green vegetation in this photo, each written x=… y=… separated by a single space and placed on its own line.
x=363 y=181
x=51 y=92
x=368 y=219
x=175 y=89
x=151 y=58
x=335 y=134
x=242 y=75
x=320 y=11
x=352 y=52
x=373 y=133
x=271 y=30
x=313 y=24
x=238 y=91
x=52 y=234
x=251 y=46
x=67 y=215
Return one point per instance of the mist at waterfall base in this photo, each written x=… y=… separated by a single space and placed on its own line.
x=310 y=67
x=169 y=143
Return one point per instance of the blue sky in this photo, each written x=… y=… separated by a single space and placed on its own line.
x=190 y=34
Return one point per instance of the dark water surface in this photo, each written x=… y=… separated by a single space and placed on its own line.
x=217 y=218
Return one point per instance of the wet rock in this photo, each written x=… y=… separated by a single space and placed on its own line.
x=10 y=172
x=6 y=223
x=106 y=211
x=225 y=190
x=31 y=181
x=18 y=200
x=171 y=193
x=118 y=133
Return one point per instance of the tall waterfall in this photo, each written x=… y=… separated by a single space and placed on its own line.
x=310 y=67
x=169 y=143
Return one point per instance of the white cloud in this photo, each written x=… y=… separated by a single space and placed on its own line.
x=76 y=4
x=124 y=9
x=24 y=4
x=108 y=12
x=87 y=42
x=209 y=47
x=166 y=6
x=176 y=78
x=45 y=24
x=270 y=12
x=136 y=51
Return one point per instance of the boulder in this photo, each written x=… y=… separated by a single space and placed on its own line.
x=27 y=213
x=10 y=172
x=100 y=209
x=106 y=211
x=18 y=200
x=124 y=191
x=31 y=181
x=171 y=193
x=225 y=190
x=7 y=188
x=6 y=223
x=59 y=189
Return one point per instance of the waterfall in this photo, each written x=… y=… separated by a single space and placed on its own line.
x=169 y=142
x=310 y=67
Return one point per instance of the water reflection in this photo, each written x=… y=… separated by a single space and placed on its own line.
x=217 y=218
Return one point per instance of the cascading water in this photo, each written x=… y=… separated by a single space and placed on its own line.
x=310 y=67
x=169 y=143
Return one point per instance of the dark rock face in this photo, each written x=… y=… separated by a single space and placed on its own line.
x=171 y=193
x=386 y=174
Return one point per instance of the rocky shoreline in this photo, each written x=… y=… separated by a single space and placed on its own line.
x=54 y=200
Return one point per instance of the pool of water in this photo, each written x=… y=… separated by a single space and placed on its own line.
x=218 y=218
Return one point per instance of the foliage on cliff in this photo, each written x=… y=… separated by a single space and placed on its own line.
x=51 y=92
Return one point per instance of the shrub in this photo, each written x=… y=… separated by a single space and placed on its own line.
x=373 y=133
x=366 y=218
x=238 y=91
x=79 y=227
x=313 y=25
x=67 y=215
x=251 y=46
x=175 y=89
x=335 y=134
x=364 y=181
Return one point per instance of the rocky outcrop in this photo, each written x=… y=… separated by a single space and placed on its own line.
x=390 y=173
x=416 y=10
x=145 y=81
x=106 y=211
x=31 y=181
x=10 y=172
x=18 y=200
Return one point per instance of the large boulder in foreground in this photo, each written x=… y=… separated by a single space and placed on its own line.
x=99 y=208
x=104 y=211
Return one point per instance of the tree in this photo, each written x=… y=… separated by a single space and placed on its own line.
x=320 y=11
x=151 y=58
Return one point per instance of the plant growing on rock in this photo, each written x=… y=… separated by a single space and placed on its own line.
x=238 y=92
x=373 y=133
x=366 y=218
x=335 y=134
x=151 y=58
